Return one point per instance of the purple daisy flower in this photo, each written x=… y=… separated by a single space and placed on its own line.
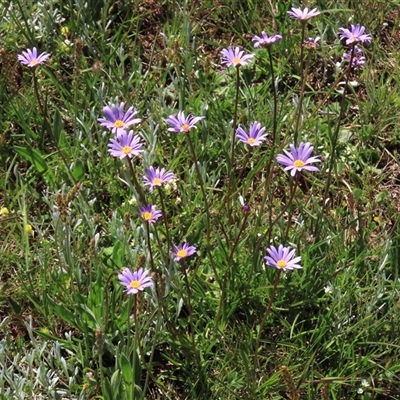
x=117 y=120
x=298 y=159
x=235 y=57
x=149 y=213
x=255 y=137
x=125 y=145
x=31 y=57
x=358 y=58
x=180 y=123
x=157 y=177
x=265 y=40
x=136 y=281
x=182 y=251
x=311 y=43
x=282 y=258
x=355 y=35
x=303 y=15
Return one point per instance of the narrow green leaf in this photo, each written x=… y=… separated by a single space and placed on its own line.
x=62 y=312
x=126 y=368
x=116 y=383
x=127 y=374
x=57 y=126
x=33 y=156
x=107 y=389
x=78 y=170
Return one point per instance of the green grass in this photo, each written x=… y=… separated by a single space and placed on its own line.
x=221 y=325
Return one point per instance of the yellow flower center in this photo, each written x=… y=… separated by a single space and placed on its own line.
x=119 y=124
x=135 y=285
x=147 y=216
x=299 y=163
x=353 y=38
x=236 y=61
x=281 y=264
x=251 y=140
x=157 y=181
x=126 y=149
x=185 y=128
x=33 y=62
x=181 y=253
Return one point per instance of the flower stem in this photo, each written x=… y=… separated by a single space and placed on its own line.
x=47 y=124
x=136 y=183
x=189 y=304
x=206 y=205
x=147 y=227
x=164 y=217
x=235 y=116
x=228 y=268
x=137 y=342
x=161 y=248
x=275 y=122
x=303 y=76
x=289 y=202
x=336 y=133
x=41 y=108
x=233 y=185
x=267 y=311
x=232 y=171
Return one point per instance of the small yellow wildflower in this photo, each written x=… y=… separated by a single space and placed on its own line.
x=65 y=31
x=4 y=212
x=377 y=218
x=28 y=229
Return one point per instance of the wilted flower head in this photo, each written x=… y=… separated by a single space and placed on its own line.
x=358 y=60
x=117 y=120
x=311 y=43
x=355 y=35
x=125 y=145
x=298 y=159
x=182 y=251
x=282 y=258
x=135 y=282
x=31 y=57
x=303 y=15
x=149 y=213
x=235 y=57
x=246 y=208
x=180 y=123
x=255 y=137
x=265 y=40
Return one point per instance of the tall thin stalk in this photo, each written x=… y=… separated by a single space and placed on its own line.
x=47 y=123
x=164 y=214
x=275 y=97
x=303 y=75
x=206 y=204
x=147 y=227
x=336 y=133
x=228 y=268
x=235 y=116
x=272 y=223
x=136 y=183
x=233 y=141
x=267 y=311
